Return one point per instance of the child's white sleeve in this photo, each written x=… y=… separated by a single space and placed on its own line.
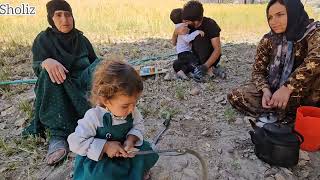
x=83 y=141
x=190 y=37
x=138 y=126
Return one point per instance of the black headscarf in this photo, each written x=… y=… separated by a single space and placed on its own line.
x=67 y=48
x=70 y=41
x=55 y=5
x=298 y=19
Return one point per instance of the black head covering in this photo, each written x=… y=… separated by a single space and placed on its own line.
x=69 y=42
x=298 y=18
x=55 y=5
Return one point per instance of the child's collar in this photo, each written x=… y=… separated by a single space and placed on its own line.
x=106 y=110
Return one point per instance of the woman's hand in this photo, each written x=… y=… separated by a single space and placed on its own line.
x=266 y=97
x=280 y=98
x=57 y=72
x=114 y=149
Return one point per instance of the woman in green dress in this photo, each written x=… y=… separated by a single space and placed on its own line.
x=107 y=133
x=63 y=60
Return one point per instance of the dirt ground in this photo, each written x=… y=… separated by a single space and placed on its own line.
x=203 y=122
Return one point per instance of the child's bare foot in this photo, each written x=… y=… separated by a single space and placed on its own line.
x=147 y=176
x=182 y=75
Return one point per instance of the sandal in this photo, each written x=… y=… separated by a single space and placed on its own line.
x=56 y=144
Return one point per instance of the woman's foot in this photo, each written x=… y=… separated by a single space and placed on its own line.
x=55 y=156
x=57 y=151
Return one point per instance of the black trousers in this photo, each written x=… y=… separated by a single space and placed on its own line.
x=202 y=48
x=186 y=62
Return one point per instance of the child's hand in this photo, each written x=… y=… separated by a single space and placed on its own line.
x=201 y=33
x=129 y=145
x=114 y=149
x=129 y=148
x=182 y=30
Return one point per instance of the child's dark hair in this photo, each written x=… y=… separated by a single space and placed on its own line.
x=192 y=11
x=112 y=77
x=176 y=15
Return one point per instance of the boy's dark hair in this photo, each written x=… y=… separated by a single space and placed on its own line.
x=176 y=15
x=192 y=11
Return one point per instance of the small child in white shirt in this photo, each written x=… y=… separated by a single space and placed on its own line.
x=107 y=134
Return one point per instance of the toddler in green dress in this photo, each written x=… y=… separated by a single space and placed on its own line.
x=110 y=130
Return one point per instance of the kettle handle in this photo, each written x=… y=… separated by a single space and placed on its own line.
x=299 y=136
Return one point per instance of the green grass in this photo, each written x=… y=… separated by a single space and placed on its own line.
x=6 y=92
x=147 y=110
x=30 y=151
x=4 y=73
x=29 y=144
x=167 y=112
x=26 y=107
x=16 y=145
x=230 y=114
x=6 y=148
x=236 y=164
x=107 y=21
x=180 y=91
x=212 y=86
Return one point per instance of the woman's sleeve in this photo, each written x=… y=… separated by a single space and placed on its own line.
x=138 y=126
x=40 y=51
x=83 y=141
x=91 y=54
x=260 y=67
x=310 y=68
